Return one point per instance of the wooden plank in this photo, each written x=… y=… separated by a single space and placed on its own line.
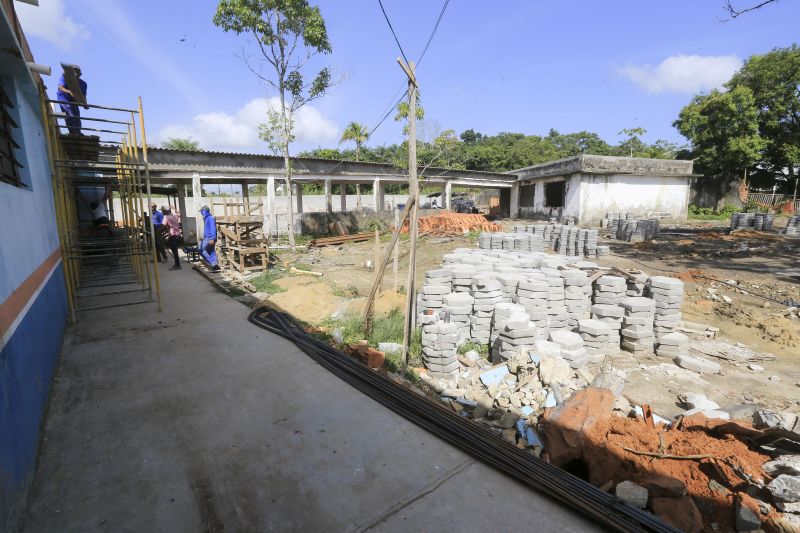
x=71 y=79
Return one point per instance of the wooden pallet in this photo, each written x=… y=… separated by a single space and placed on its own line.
x=332 y=241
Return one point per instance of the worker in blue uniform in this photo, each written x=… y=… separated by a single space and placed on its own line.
x=209 y=238
x=68 y=106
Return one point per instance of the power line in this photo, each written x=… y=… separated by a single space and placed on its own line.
x=433 y=32
x=389 y=110
x=393 y=33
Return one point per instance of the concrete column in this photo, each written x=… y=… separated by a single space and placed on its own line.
x=448 y=193
x=245 y=192
x=270 y=216
x=328 y=196
x=377 y=194
x=298 y=193
x=514 y=208
x=343 y=196
x=197 y=196
x=182 y=207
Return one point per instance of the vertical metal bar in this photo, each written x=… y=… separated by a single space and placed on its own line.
x=147 y=178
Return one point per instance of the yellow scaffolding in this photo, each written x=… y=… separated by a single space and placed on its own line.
x=119 y=267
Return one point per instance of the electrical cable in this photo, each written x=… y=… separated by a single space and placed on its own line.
x=392 y=30
x=435 y=27
x=388 y=112
x=606 y=509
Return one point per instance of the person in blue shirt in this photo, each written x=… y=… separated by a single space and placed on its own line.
x=69 y=107
x=209 y=238
x=157 y=217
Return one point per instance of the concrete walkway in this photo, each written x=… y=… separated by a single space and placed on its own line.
x=195 y=420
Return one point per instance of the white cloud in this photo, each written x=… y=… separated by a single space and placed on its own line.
x=239 y=132
x=48 y=21
x=683 y=74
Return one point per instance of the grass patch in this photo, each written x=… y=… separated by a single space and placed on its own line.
x=266 y=281
x=708 y=213
x=482 y=349
x=351 y=291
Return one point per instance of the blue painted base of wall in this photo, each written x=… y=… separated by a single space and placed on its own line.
x=27 y=365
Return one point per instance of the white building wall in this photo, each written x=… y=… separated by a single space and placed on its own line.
x=572 y=200
x=640 y=195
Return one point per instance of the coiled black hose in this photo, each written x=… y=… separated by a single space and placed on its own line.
x=605 y=509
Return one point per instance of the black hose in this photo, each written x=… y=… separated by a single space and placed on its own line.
x=604 y=508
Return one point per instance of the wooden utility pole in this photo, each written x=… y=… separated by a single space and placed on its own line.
x=413 y=192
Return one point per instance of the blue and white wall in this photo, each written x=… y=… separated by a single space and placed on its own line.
x=33 y=304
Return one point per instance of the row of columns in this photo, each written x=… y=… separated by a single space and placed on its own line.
x=270 y=215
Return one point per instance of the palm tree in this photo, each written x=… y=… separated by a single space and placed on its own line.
x=358 y=133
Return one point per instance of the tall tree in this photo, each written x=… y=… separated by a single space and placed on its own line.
x=723 y=129
x=358 y=133
x=288 y=33
x=774 y=80
x=187 y=144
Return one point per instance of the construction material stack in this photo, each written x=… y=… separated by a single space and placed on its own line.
x=437 y=283
x=596 y=335
x=668 y=296
x=487 y=293
x=502 y=315
x=517 y=337
x=637 y=325
x=458 y=309
x=577 y=295
x=439 y=342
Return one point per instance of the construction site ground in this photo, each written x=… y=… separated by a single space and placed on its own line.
x=758 y=263
x=193 y=419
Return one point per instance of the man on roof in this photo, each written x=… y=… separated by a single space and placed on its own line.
x=69 y=107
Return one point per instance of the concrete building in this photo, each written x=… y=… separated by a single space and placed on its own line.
x=588 y=186
x=195 y=169
x=33 y=303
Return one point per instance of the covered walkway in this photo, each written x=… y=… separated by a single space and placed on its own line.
x=195 y=420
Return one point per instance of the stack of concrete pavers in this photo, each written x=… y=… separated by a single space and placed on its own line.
x=510 y=281
x=517 y=337
x=562 y=244
x=437 y=283
x=792 y=226
x=557 y=315
x=487 y=293
x=536 y=241
x=672 y=345
x=439 y=344
x=613 y=316
x=458 y=306
x=571 y=347
x=485 y=240
x=572 y=241
x=637 y=324
x=609 y=290
x=462 y=278
x=577 y=294
x=603 y=250
x=590 y=247
x=502 y=314
x=532 y=295
x=637 y=284
x=668 y=295
x=596 y=335
x=497 y=241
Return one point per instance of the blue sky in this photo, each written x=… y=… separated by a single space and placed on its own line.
x=522 y=66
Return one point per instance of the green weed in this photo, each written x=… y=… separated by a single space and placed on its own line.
x=266 y=281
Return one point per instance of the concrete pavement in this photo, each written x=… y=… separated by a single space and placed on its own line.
x=195 y=420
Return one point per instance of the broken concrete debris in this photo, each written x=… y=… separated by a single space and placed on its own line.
x=632 y=494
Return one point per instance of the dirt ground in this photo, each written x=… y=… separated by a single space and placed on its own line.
x=757 y=272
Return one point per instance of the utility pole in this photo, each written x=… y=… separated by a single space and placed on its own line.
x=413 y=192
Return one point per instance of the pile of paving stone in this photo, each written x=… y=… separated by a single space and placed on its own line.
x=439 y=345
x=596 y=335
x=457 y=307
x=564 y=239
x=667 y=293
x=637 y=230
x=756 y=221
x=637 y=325
x=792 y=226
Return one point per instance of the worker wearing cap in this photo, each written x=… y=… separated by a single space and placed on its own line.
x=157 y=218
x=69 y=107
x=209 y=238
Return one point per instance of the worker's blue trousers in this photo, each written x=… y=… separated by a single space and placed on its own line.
x=207 y=250
x=73 y=119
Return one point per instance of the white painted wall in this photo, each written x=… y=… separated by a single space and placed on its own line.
x=641 y=195
x=572 y=201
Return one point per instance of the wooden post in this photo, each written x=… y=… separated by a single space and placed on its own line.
x=413 y=192
x=396 y=248
x=377 y=250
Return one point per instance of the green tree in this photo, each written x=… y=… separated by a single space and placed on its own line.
x=287 y=33
x=633 y=146
x=723 y=129
x=187 y=144
x=358 y=133
x=774 y=80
